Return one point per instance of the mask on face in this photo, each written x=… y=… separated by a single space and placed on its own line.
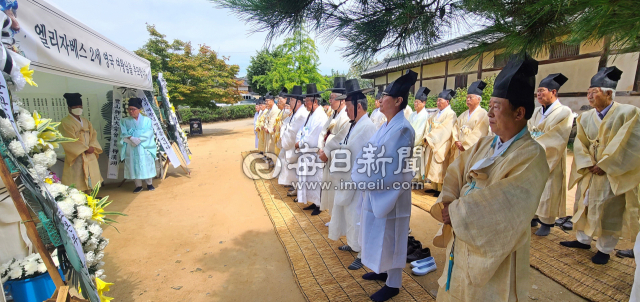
x=287 y=111
x=76 y=111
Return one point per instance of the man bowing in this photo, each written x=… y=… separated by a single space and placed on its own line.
x=550 y=126
x=490 y=194
x=386 y=211
x=606 y=168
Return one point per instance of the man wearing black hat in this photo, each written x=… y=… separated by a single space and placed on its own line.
x=550 y=126
x=311 y=168
x=376 y=116
x=472 y=124
x=282 y=103
x=269 y=126
x=606 y=168
x=490 y=194
x=418 y=120
x=260 y=125
x=386 y=211
x=290 y=130
x=81 y=157
x=332 y=134
x=438 y=140
x=137 y=146
x=345 y=216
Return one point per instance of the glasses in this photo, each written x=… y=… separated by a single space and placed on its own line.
x=132 y=109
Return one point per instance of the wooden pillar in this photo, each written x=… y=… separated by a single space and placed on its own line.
x=604 y=58
x=12 y=188
x=636 y=82
x=480 y=66
x=446 y=74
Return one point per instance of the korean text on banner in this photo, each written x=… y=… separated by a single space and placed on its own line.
x=114 y=157
x=173 y=119
x=157 y=129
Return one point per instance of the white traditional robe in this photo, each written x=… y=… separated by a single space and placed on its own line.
x=289 y=131
x=438 y=139
x=335 y=130
x=270 y=123
x=310 y=180
x=346 y=212
x=418 y=121
x=469 y=129
x=407 y=112
x=612 y=199
x=378 y=118
x=551 y=129
x=490 y=209
x=386 y=212
x=255 y=122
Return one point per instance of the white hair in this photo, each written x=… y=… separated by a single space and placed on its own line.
x=613 y=92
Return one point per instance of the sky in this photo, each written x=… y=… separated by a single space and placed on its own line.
x=198 y=21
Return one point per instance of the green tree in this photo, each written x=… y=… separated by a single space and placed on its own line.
x=371 y=27
x=194 y=77
x=261 y=64
x=298 y=65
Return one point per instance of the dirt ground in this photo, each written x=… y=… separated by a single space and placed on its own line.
x=207 y=237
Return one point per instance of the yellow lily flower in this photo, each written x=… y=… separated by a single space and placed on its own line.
x=97 y=215
x=102 y=288
x=47 y=135
x=37 y=118
x=28 y=75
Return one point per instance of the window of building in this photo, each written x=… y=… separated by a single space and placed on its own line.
x=562 y=50
x=461 y=81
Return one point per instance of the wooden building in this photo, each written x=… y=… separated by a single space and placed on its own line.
x=444 y=68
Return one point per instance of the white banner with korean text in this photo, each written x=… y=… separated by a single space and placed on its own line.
x=157 y=129
x=57 y=43
x=114 y=153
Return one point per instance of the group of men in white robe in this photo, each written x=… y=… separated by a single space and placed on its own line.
x=483 y=165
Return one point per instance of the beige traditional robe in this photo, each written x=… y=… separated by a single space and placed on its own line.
x=437 y=140
x=613 y=144
x=490 y=210
x=277 y=128
x=261 y=136
x=407 y=112
x=334 y=130
x=468 y=130
x=552 y=132
x=378 y=118
x=270 y=123
x=80 y=169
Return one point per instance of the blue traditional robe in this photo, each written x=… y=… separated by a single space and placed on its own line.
x=139 y=161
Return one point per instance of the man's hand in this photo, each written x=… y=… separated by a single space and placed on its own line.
x=445 y=214
x=597 y=171
x=323 y=156
x=459 y=146
x=90 y=150
x=297 y=145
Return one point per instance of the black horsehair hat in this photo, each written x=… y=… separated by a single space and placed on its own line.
x=353 y=88
x=73 y=99
x=447 y=94
x=312 y=90
x=516 y=83
x=283 y=92
x=553 y=81
x=422 y=93
x=296 y=92
x=338 y=85
x=135 y=102
x=401 y=86
x=607 y=77
x=476 y=88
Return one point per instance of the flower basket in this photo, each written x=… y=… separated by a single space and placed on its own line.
x=36 y=289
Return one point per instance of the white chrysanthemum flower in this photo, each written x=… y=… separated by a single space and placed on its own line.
x=14 y=264
x=67 y=208
x=90 y=257
x=83 y=234
x=78 y=198
x=52 y=156
x=103 y=244
x=26 y=121
x=32 y=257
x=79 y=224
x=100 y=256
x=5 y=278
x=99 y=273
x=56 y=189
x=30 y=267
x=42 y=268
x=15 y=273
x=95 y=229
x=40 y=159
x=84 y=212
x=6 y=129
x=16 y=148
x=30 y=139
x=39 y=171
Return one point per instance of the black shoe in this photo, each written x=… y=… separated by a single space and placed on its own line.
x=544 y=229
x=151 y=188
x=356 y=264
x=436 y=194
x=430 y=191
x=600 y=258
x=576 y=244
x=413 y=246
x=346 y=248
x=625 y=253
x=419 y=254
x=311 y=207
x=384 y=294
x=137 y=190
x=534 y=222
x=315 y=212
x=374 y=276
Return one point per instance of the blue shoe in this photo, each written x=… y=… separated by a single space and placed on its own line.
x=423 y=270
x=422 y=262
